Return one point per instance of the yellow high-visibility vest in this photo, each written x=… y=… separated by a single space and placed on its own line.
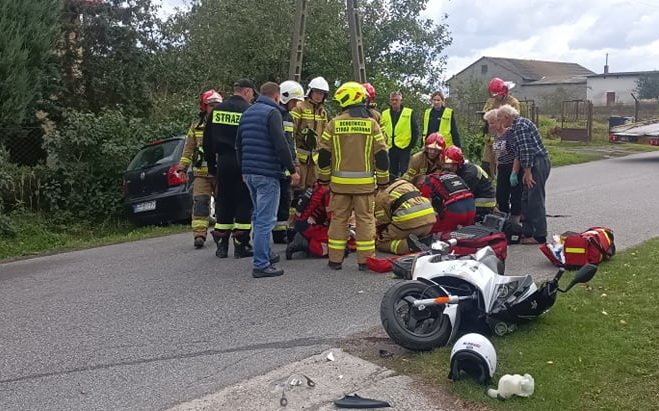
x=402 y=133
x=444 y=125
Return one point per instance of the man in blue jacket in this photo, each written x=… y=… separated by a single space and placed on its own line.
x=264 y=157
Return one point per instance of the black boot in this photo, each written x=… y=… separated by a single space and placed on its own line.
x=299 y=243
x=242 y=248
x=279 y=237
x=222 y=247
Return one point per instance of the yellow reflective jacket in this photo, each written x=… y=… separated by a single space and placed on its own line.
x=493 y=103
x=403 y=205
x=421 y=165
x=312 y=116
x=351 y=144
x=193 y=150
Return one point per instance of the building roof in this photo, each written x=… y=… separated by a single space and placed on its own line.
x=557 y=80
x=625 y=74
x=537 y=70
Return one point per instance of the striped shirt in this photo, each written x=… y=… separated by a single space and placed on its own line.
x=504 y=148
x=527 y=141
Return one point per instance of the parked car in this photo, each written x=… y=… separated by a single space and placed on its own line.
x=155 y=192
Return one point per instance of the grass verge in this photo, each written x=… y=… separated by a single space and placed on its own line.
x=598 y=348
x=36 y=234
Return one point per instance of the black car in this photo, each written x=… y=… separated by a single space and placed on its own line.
x=155 y=193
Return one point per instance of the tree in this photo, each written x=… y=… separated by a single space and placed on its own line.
x=28 y=32
x=107 y=49
x=647 y=86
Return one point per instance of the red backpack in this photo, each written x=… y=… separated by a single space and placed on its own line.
x=589 y=247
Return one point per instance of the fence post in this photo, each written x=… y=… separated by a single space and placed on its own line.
x=589 y=119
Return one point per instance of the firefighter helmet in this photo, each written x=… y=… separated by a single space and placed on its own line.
x=436 y=141
x=291 y=90
x=370 y=92
x=498 y=87
x=318 y=83
x=208 y=97
x=350 y=94
x=453 y=155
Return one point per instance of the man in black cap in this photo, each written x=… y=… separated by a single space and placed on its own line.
x=233 y=207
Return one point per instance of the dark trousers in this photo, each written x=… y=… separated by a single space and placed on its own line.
x=285 y=201
x=399 y=160
x=233 y=204
x=534 y=217
x=509 y=199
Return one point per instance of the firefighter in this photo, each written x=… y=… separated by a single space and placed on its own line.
x=476 y=178
x=203 y=186
x=291 y=93
x=310 y=118
x=352 y=158
x=402 y=131
x=372 y=105
x=429 y=160
x=440 y=118
x=401 y=210
x=498 y=90
x=233 y=210
x=311 y=223
x=451 y=199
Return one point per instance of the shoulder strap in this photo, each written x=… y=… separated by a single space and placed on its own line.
x=400 y=200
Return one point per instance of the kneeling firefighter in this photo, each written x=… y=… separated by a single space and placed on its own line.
x=311 y=223
x=451 y=199
x=476 y=178
x=401 y=210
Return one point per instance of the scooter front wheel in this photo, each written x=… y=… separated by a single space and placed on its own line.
x=410 y=327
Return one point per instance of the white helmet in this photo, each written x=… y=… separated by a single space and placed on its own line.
x=473 y=354
x=318 y=83
x=291 y=90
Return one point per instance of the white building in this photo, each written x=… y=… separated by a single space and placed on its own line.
x=608 y=89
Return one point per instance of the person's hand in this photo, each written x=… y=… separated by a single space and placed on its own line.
x=513 y=179
x=527 y=179
x=181 y=168
x=295 y=179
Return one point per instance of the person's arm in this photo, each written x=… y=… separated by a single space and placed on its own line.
x=209 y=146
x=415 y=131
x=454 y=132
x=188 y=150
x=276 y=132
x=381 y=156
x=239 y=144
x=325 y=147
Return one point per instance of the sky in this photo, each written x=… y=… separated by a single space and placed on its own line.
x=572 y=31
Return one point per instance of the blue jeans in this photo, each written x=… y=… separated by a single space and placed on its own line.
x=265 y=198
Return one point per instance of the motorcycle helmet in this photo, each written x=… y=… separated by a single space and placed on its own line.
x=291 y=90
x=474 y=355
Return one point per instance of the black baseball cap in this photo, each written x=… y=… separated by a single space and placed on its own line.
x=246 y=83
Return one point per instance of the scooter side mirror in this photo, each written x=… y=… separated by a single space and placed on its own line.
x=585 y=274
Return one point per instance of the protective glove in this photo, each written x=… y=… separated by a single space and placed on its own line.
x=310 y=138
x=513 y=179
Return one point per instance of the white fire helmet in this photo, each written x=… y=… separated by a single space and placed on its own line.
x=318 y=83
x=474 y=355
x=291 y=90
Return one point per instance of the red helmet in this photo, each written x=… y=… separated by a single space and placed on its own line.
x=453 y=155
x=370 y=92
x=497 y=87
x=435 y=140
x=207 y=97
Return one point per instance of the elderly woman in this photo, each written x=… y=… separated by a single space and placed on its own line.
x=534 y=162
x=509 y=192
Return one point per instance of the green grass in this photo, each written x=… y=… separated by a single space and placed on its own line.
x=36 y=234
x=598 y=348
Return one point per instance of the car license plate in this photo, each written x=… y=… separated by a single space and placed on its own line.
x=146 y=206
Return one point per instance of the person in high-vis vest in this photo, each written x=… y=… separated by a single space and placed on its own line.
x=400 y=211
x=371 y=94
x=233 y=209
x=476 y=178
x=440 y=119
x=429 y=160
x=291 y=94
x=203 y=186
x=310 y=119
x=402 y=132
x=352 y=159
x=499 y=95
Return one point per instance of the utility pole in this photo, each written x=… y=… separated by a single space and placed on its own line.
x=297 y=45
x=356 y=42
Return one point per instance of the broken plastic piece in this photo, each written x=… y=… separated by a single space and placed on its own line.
x=385 y=354
x=283 y=401
x=330 y=356
x=310 y=382
x=355 y=401
x=295 y=381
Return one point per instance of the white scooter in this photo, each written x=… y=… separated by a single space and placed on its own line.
x=447 y=295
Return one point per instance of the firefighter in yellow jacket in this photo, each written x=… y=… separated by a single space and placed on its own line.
x=401 y=210
x=193 y=154
x=352 y=158
x=310 y=119
x=499 y=96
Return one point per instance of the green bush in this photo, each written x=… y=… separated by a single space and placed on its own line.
x=472 y=146
x=87 y=156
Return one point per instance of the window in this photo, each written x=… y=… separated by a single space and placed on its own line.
x=610 y=98
x=484 y=69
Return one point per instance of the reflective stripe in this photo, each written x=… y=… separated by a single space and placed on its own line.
x=419 y=210
x=326 y=135
x=367 y=152
x=575 y=250
x=301 y=151
x=281 y=226
x=337 y=153
x=200 y=223
x=224 y=226
x=394 y=246
x=485 y=202
x=337 y=244
x=185 y=161
x=367 y=245
x=226 y=117
x=343 y=180
x=379 y=213
x=352 y=174
x=384 y=174
x=311 y=117
x=288 y=126
x=295 y=114
x=238 y=226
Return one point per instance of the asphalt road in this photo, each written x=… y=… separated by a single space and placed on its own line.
x=149 y=324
